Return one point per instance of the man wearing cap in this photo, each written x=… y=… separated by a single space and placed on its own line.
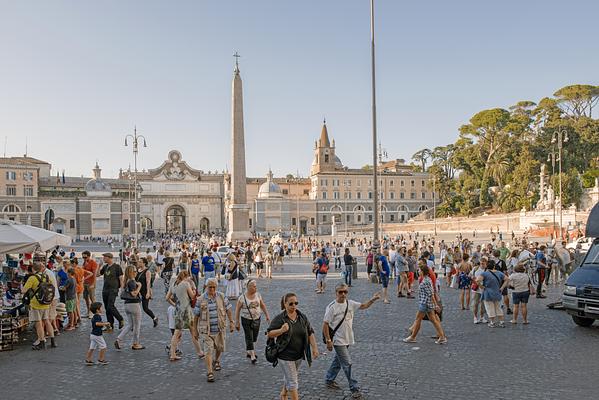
x=113 y=275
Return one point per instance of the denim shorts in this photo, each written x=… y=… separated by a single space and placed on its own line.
x=520 y=297
x=424 y=309
x=384 y=280
x=290 y=373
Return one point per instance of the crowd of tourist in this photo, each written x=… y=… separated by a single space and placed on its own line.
x=211 y=290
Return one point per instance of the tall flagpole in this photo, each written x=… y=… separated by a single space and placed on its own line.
x=374 y=140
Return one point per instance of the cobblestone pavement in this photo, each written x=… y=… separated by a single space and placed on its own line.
x=550 y=359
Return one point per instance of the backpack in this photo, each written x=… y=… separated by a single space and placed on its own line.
x=324 y=268
x=44 y=293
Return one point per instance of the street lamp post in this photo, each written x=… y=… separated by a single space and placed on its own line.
x=434 y=205
x=561 y=137
x=551 y=157
x=375 y=238
x=135 y=137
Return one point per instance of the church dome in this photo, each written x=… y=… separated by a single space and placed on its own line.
x=96 y=186
x=269 y=189
x=338 y=162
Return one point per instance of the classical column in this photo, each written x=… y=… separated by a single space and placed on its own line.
x=238 y=209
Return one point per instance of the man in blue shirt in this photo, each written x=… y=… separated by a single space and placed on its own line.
x=385 y=273
x=208 y=266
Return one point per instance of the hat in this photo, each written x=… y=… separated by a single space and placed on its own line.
x=109 y=255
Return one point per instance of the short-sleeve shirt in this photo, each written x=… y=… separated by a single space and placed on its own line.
x=130 y=286
x=333 y=315
x=520 y=281
x=208 y=263
x=79 y=274
x=213 y=310
x=540 y=258
x=96 y=329
x=425 y=293
x=91 y=266
x=385 y=270
x=492 y=284
x=112 y=277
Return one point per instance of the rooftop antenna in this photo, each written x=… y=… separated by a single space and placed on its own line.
x=5 y=142
x=25 y=146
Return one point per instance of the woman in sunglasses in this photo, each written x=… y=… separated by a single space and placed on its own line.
x=295 y=339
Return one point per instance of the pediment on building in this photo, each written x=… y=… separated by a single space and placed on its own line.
x=175 y=169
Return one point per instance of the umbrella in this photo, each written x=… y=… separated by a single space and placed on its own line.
x=18 y=238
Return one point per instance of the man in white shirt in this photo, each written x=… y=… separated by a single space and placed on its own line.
x=338 y=317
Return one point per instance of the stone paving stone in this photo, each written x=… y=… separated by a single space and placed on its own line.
x=551 y=358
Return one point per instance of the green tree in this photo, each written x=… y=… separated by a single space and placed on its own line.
x=422 y=156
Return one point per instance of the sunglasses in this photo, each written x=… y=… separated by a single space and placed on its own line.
x=293 y=303
x=342 y=291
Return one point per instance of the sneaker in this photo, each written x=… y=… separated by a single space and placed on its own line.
x=89 y=363
x=492 y=325
x=441 y=341
x=502 y=324
x=409 y=340
x=155 y=321
x=103 y=362
x=484 y=321
x=333 y=385
x=476 y=321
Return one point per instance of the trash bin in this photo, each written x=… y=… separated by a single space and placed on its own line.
x=354 y=269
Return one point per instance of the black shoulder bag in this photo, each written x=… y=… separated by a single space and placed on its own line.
x=333 y=331
x=272 y=350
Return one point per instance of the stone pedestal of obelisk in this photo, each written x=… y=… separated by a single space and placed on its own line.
x=239 y=228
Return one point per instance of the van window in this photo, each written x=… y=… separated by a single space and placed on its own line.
x=593 y=256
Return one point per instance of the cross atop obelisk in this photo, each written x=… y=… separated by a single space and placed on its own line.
x=239 y=228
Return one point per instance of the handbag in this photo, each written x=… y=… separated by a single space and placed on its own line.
x=333 y=331
x=272 y=350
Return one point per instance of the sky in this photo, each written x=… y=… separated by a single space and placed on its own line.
x=77 y=76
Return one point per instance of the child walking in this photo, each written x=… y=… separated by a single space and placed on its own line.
x=95 y=338
x=71 y=296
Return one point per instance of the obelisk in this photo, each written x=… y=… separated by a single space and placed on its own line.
x=239 y=228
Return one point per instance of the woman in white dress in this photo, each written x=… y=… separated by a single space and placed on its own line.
x=232 y=278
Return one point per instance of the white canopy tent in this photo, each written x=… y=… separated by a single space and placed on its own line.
x=18 y=238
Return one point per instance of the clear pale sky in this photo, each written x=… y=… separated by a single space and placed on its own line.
x=76 y=76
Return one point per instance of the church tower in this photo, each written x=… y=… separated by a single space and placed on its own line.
x=325 y=159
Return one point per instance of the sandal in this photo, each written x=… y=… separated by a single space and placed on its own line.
x=175 y=358
x=140 y=347
x=201 y=356
x=210 y=377
x=217 y=366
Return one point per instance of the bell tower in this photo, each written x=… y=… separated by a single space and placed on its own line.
x=324 y=153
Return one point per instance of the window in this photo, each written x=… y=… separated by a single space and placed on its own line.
x=347 y=218
x=370 y=182
x=369 y=217
x=11 y=176
x=28 y=176
x=359 y=218
x=423 y=195
x=312 y=221
x=413 y=196
x=11 y=208
x=71 y=224
x=382 y=195
x=348 y=195
x=392 y=217
x=392 y=195
x=349 y=182
x=422 y=183
x=336 y=195
x=293 y=221
x=324 y=218
x=250 y=223
x=326 y=158
x=285 y=191
x=370 y=195
x=324 y=195
x=11 y=190
x=402 y=195
x=412 y=183
x=358 y=195
x=358 y=182
x=401 y=183
x=391 y=182
x=306 y=192
x=28 y=191
x=125 y=223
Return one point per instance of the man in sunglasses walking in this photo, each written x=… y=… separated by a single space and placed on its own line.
x=338 y=334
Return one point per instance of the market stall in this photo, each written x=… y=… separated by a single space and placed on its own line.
x=17 y=243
